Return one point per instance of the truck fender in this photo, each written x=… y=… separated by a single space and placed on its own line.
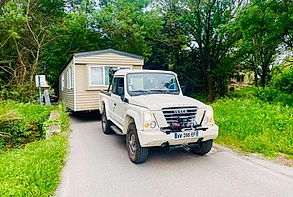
x=131 y=116
x=104 y=106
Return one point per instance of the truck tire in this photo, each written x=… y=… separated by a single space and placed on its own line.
x=204 y=148
x=136 y=153
x=106 y=123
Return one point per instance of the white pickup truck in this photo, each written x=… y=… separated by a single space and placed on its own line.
x=149 y=108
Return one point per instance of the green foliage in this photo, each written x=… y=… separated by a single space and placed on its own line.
x=264 y=26
x=33 y=171
x=63 y=118
x=284 y=82
x=275 y=96
x=204 y=41
x=212 y=43
x=73 y=33
x=16 y=92
x=128 y=26
x=246 y=93
x=268 y=94
x=169 y=44
x=190 y=77
x=255 y=125
x=23 y=122
x=12 y=18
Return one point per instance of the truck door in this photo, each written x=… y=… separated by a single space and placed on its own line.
x=116 y=101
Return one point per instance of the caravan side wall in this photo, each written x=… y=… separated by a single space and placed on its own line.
x=87 y=95
x=66 y=86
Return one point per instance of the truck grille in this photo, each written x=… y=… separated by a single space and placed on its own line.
x=186 y=114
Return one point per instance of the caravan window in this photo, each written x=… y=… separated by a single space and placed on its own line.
x=69 y=78
x=96 y=76
x=100 y=75
x=62 y=82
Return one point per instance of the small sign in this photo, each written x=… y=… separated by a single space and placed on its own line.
x=42 y=80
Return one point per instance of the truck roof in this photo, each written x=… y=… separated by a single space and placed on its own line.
x=125 y=72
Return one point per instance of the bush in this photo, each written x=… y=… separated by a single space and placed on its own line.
x=255 y=125
x=247 y=92
x=268 y=94
x=272 y=95
x=21 y=123
x=63 y=118
x=284 y=82
x=35 y=170
x=21 y=93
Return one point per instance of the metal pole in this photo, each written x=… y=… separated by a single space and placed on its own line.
x=40 y=89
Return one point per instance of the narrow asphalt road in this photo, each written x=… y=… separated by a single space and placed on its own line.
x=98 y=166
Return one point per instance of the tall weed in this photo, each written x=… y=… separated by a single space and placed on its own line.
x=23 y=122
x=35 y=169
x=268 y=94
x=255 y=125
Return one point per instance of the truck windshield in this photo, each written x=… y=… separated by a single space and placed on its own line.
x=151 y=83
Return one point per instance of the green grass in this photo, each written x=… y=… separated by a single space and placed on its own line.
x=255 y=126
x=33 y=171
x=23 y=122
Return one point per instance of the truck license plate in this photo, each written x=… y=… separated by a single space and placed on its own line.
x=184 y=135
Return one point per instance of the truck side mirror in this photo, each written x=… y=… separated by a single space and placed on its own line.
x=183 y=89
x=120 y=91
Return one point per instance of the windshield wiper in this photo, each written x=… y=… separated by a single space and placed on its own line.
x=159 y=91
x=138 y=92
x=167 y=91
x=144 y=91
x=173 y=92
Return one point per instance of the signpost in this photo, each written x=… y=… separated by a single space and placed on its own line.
x=41 y=83
x=40 y=89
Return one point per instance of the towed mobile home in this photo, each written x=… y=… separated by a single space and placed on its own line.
x=89 y=72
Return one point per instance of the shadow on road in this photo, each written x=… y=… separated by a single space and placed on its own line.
x=156 y=154
x=85 y=116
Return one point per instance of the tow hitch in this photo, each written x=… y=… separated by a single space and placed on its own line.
x=183 y=147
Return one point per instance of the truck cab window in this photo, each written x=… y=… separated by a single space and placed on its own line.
x=118 y=83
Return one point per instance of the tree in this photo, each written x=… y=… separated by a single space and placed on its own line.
x=74 y=33
x=169 y=43
x=41 y=37
x=12 y=21
x=211 y=42
x=284 y=19
x=127 y=27
x=263 y=31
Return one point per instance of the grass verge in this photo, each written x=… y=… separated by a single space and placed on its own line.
x=35 y=169
x=255 y=126
x=21 y=123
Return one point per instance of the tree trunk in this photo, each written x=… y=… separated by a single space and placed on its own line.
x=255 y=78
x=211 y=88
x=264 y=75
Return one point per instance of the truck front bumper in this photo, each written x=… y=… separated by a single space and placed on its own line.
x=152 y=138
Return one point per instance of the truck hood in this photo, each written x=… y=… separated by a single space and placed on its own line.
x=159 y=101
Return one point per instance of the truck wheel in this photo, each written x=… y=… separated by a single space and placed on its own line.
x=106 y=124
x=136 y=153
x=204 y=148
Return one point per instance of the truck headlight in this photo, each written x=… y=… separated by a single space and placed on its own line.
x=209 y=113
x=149 y=120
x=208 y=119
x=153 y=124
x=147 y=117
